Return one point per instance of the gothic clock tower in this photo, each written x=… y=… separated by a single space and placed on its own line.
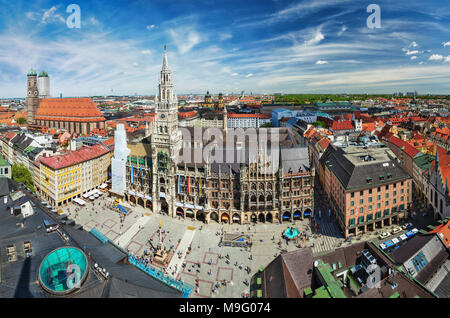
x=166 y=142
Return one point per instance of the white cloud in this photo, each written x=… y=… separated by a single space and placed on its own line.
x=50 y=15
x=249 y=75
x=446 y=44
x=46 y=16
x=235 y=74
x=447 y=59
x=225 y=36
x=150 y=27
x=343 y=29
x=436 y=57
x=413 y=57
x=146 y=52
x=320 y=62
x=318 y=36
x=185 y=39
x=408 y=52
x=380 y=77
x=413 y=44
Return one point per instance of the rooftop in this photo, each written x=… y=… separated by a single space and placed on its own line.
x=71 y=158
x=68 y=109
x=361 y=167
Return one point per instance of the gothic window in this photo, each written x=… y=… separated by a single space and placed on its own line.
x=162 y=160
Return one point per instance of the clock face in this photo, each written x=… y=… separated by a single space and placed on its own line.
x=163 y=116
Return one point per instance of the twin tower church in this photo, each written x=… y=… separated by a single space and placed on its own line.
x=156 y=173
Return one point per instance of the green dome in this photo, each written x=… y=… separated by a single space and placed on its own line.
x=53 y=275
x=43 y=74
x=31 y=73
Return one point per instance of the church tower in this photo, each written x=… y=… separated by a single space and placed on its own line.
x=32 y=96
x=220 y=102
x=166 y=143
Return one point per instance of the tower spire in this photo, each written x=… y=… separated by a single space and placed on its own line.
x=165 y=63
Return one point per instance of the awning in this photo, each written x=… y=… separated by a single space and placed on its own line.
x=306 y=213
x=180 y=212
x=225 y=217
x=131 y=192
x=198 y=207
x=297 y=213
x=179 y=204
x=236 y=218
x=79 y=201
x=188 y=205
x=140 y=195
x=103 y=185
x=147 y=197
x=162 y=195
x=189 y=212
x=286 y=216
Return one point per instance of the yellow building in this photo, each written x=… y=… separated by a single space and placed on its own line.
x=66 y=176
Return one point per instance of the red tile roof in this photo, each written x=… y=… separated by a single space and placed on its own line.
x=324 y=143
x=444 y=231
x=189 y=114
x=407 y=148
x=74 y=157
x=68 y=109
x=342 y=125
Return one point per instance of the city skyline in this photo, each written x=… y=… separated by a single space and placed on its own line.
x=310 y=46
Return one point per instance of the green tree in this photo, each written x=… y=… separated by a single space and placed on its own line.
x=320 y=123
x=20 y=173
x=21 y=120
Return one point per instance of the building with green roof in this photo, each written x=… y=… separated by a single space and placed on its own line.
x=5 y=168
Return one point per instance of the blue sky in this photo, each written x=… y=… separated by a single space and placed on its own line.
x=261 y=46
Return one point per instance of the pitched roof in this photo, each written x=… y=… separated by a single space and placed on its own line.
x=74 y=157
x=443 y=231
x=68 y=109
x=406 y=147
x=342 y=125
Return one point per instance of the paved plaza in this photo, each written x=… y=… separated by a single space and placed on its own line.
x=138 y=232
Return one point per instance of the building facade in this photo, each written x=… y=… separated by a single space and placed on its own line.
x=163 y=176
x=366 y=187
x=69 y=175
